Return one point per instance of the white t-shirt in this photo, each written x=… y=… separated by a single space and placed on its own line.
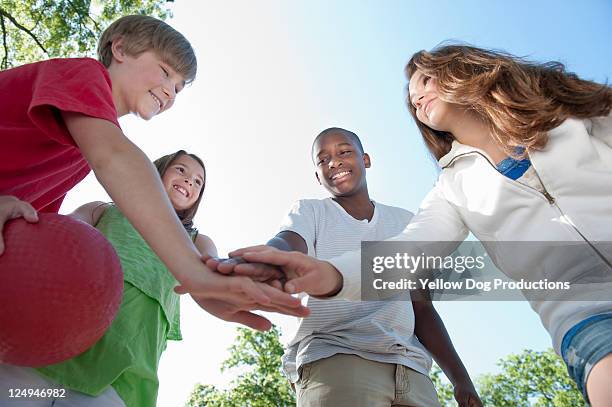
x=382 y=331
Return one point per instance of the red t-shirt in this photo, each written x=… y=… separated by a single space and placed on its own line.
x=39 y=160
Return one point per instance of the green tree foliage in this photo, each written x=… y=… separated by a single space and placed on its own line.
x=256 y=358
x=32 y=30
x=443 y=387
x=537 y=379
x=529 y=379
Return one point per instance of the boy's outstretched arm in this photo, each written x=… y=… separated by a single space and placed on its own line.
x=430 y=330
x=13 y=208
x=132 y=182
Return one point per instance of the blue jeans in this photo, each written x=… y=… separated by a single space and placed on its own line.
x=585 y=344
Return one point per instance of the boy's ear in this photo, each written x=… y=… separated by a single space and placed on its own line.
x=366 y=160
x=117 y=49
x=318 y=179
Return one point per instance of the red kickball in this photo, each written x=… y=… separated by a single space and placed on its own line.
x=60 y=288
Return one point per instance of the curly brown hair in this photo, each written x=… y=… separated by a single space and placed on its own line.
x=520 y=101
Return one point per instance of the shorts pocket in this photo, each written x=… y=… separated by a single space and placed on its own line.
x=304 y=375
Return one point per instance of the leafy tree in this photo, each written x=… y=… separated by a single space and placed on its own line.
x=443 y=387
x=33 y=30
x=537 y=379
x=257 y=355
x=528 y=379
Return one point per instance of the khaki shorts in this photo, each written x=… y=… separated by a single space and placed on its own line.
x=351 y=381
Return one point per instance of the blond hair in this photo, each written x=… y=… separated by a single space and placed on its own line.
x=143 y=33
x=520 y=101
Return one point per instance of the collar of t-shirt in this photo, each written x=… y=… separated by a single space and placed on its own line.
x=364 y=221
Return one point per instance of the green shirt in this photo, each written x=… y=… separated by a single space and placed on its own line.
x=127 y=356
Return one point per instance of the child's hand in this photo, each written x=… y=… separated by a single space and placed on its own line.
x=239 y=294
x=219 y=264
x=466 y=395
x=280 y=302
x=303 y=273
x=232 y=313
x=13 y=208
x=255 y=271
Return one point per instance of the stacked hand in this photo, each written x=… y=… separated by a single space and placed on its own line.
x=231 y=298
x=272 y=271
x=267 y=264
x=466 y=395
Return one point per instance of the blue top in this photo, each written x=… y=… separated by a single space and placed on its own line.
x=513 y=168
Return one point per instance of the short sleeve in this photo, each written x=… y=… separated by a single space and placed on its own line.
x=79 y=85
x=301 y=219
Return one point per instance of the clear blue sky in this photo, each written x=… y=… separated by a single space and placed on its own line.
x=272 y=74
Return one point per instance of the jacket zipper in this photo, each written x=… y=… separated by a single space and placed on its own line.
x=551 y=200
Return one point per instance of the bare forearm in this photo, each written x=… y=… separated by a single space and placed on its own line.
x=133 y=183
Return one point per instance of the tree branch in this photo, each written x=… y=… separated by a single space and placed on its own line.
x=80 y=18
x=4 y=64
x=88 y=16
x=22 y=28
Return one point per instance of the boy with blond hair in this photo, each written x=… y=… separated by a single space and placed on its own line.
x=58 y=121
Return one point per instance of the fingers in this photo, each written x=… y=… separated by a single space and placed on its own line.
x=300 y=311
x=252 y=320
x=227 y=266
x=28 y=212
x=278 y=297
x=468 y=400
x=475 y=401
x=232 y=313
x=463 y=399
x=258 y=271
x=240 y=252
x=251 y=289
x=12 y=208
x=207 y=257
x=231 y=289
x=307 y=283
x=271 y=256
x=278 y=284
x=305 y=274
x=223 y=266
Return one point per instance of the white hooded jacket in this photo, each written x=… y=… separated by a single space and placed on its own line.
x=575 y=169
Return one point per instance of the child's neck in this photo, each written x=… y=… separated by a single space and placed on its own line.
x=118 y=99
x=472 y=131
x=359 y=206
